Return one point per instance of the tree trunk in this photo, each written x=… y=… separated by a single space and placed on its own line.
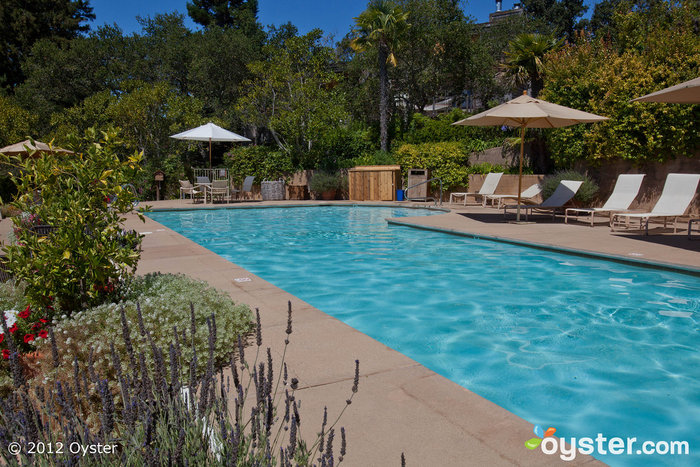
x=383 y=100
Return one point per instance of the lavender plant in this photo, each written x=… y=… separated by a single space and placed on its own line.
x=246 y=415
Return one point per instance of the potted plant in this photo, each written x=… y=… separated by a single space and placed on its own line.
x=326 y=185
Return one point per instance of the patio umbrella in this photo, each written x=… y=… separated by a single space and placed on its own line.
x=210 y=132
x=29 y=146
x=683 y=93
x=527 y=112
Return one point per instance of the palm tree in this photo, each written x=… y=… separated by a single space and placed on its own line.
x=524 y=58
x=380 y=26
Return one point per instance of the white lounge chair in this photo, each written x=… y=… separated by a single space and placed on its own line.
x=679 y=191
x=625 y=191
x=488 y=188
x=526 y=195
x=565 y=191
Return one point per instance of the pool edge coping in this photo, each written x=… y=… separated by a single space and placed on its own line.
x=671 y=267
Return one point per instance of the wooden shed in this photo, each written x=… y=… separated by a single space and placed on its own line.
x=374 y=183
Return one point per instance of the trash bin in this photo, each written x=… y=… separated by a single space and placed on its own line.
x=399 y=195
x=416 y=176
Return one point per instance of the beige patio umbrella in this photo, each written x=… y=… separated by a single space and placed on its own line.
x=527 y=112
x=29 y=146
x=683 y=93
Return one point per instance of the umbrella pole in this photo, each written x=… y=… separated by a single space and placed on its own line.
x=520 y=174
x=210 y=153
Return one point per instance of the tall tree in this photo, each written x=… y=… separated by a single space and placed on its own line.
x=524 y=59
x=236 y=14
x=293 y=95
x=437 y=53
x=559 y=16
x=22 y=23
x=381 y=27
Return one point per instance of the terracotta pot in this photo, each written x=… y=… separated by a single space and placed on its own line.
x=328 y=195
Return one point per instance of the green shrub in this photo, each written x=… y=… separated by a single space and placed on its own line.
x=86 y=253
x=448 y=161
x=658 y=46
x=374 y=158
x=485 y=168
x=322 y=182
x=164 y=300
x=425 y=129
x=585 y=195
x=263 y=162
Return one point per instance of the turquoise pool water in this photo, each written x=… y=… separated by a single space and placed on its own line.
x=583 y=345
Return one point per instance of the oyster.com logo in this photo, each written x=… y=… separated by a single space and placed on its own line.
x=534 y=443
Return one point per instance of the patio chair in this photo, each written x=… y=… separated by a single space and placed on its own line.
x=219 y=189
x=488 y=188
x=186 y=188
x=247 y=186
x=679 y=191
x=565 y=191
x=527 y=196
x=625 y=191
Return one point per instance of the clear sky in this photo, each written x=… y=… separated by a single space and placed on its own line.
x=333 y=16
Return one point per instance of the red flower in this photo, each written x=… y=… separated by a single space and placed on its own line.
x=5 y=354
x=25 y=314
x=13 y=328
x=43 y=320
x=2 y=338
x=36 y=325
x=43 y=334
x=28 y=338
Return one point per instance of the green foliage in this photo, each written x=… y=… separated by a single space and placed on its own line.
x=235 y=14
x=585 y=195
x=594 y=76
x=486 y=168
x=557 y=16
x=524 y=59
x=86 y=252
x=438 y=56
x=292 y=93
x=375 y=158
x=147 y=114
x=425 y=129
x=381 y=27
x=263 y=162
x=215 y=81
x=16 y=123
x=23 y=23
x=164 y=302
x=448 y=161
x=323 y=182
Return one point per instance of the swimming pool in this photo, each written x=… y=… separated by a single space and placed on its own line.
x=583 y=345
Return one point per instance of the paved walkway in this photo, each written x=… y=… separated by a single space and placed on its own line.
x=401 y=406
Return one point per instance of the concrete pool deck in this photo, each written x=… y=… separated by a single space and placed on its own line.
x=401 y=406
